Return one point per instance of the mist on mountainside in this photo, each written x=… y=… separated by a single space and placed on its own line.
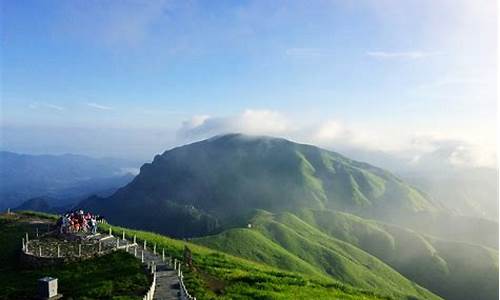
x=309 y=209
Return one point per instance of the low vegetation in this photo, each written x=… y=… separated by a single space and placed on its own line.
x=115 y=276
x=216 y=275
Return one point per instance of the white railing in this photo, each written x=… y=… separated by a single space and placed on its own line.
x=149 y=295
x=184 y=293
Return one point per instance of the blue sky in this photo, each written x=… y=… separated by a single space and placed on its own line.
x=133 y=78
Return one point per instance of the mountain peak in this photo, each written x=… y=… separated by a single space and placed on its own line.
x=203 y=185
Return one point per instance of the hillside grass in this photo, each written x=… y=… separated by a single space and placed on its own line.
x=286 y=241
x=451 y=269
x=114 y=276
x=217 y=275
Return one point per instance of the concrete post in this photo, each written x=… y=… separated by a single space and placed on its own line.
x=123 y=235
x=142 y=256
x=24 y=246
x=135 y=237
x=135 y=251
x=37 y=232
x=144 y=244
x=40 y=251
x=110 y=232
x=154 y=249
x=163 y=255
x=27 y=238
x=58 y=250
x=79 y=250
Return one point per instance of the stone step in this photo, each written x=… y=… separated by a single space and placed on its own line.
x=167 y=283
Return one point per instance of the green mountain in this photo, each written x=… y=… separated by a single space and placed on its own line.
x=287 y=242
x=197 y=189
x=312 y=211
x=344 y=246
x=364 y=253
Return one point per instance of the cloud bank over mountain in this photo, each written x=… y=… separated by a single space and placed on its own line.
x=420 y=150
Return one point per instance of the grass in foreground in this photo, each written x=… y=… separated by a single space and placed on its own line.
x=221 y=276
x=114 y=276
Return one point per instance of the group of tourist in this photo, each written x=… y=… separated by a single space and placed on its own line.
x=78 y=221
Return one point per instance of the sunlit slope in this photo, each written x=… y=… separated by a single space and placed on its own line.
x=271 y=235
x=454 y=270
x=194 y=189
x=216 y=275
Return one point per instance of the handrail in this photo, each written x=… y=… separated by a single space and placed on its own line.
x=184 y=293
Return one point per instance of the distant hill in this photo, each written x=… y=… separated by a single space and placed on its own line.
x=466 y=191
x=44 y=204
x=63 y=178
x=345 y=246
x=198 y=188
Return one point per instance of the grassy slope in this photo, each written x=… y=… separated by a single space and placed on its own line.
x=251 y=243
x=221 y=276
x=323 y=253
x=454 y=270
x=117 y=275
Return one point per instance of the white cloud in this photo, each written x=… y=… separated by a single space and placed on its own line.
x=435 y=150
x=37 y=105
x=382 y=146
x=98 y=106
x=249 y=121
x=401 y=55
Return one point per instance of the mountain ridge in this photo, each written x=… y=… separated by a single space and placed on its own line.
x=248 y=172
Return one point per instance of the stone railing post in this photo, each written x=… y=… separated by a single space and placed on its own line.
x=154 y=249
x=24 y=245
x=110 y=232
x=142 y=256
x=135 y=239
x=135 y=251
x=123 y=235
x=144 y=245
x=100 y=247
x=58 y=250
x=163 y=255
